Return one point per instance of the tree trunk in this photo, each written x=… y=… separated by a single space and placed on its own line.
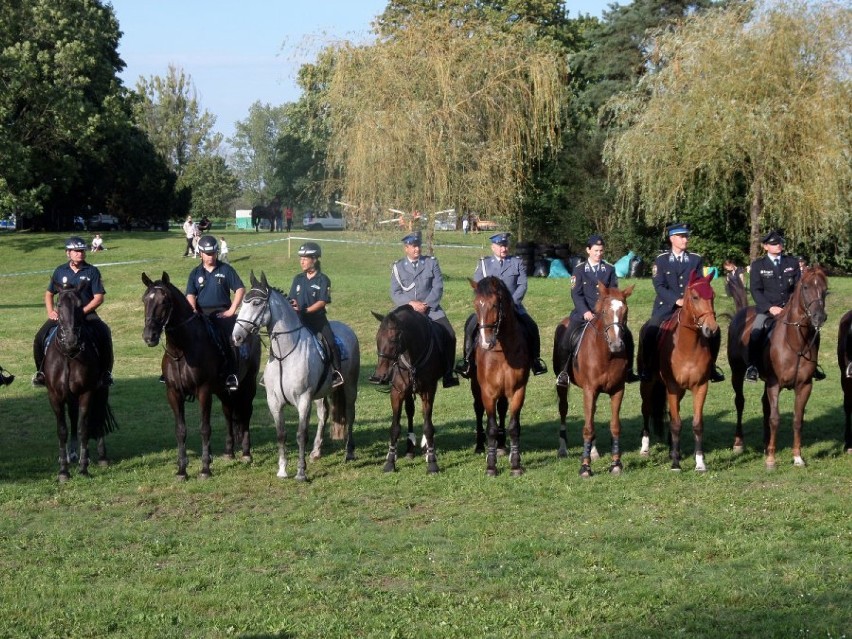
x=756 y=210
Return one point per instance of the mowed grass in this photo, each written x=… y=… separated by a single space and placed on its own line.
x=131 y=552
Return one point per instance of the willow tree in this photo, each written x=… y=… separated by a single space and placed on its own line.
x=760 y=98
x=436 y=116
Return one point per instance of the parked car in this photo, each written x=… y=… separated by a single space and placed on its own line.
x=324 y=221
x=102 y=222
x=147 y=224
x=79 y=223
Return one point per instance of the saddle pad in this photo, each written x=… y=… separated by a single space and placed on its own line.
x=341 y=348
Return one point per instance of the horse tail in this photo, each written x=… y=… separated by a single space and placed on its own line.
x=101 y=418
x=338 y=413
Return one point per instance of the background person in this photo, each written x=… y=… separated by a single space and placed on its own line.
x=417 y=281
x=190 y=230
x=98 y=243
x=223 y=251
x=513 y=273
x=73 y=273
x=310 y=294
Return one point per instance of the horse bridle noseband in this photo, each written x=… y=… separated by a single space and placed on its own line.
x=254 y=327
x=495 y=326
x=698 y=319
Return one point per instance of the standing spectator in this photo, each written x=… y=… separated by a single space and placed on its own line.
x=223 y=250
x=735 y=283
x=190 y=230
x=465 y=223
x=288 y=216
x=98 y=243
x=277 y=220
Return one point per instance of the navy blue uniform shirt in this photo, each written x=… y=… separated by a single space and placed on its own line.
x=584 y=286
x=670 y=277
x=212 y=289
x=89 y=275
x=306 y=291
x=770 y=285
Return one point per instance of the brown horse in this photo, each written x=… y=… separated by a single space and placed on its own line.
x=844 y=360
x=411 y=351
x=72 y=375
x=599 y=366
x=788 y=363
x=260 y=213
x=192 y=364
x=686 y=361
x=502 y=365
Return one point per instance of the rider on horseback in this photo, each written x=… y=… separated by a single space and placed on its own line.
x=310 y=293
x=77 y=271
x=208 y=290
x=585 y=294
x=514 y=275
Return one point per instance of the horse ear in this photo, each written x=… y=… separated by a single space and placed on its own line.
x=165 y=278
x=629 y=291
x=601 y=288
x=263 y=281
x=146 y=280
x=472 y=285
x=252 y=278
x=381 y=318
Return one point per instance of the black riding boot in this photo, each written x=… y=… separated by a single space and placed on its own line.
x=755 y=347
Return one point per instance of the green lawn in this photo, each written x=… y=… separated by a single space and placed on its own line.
x=734 y=552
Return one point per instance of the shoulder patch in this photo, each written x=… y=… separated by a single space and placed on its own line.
x=654 y=270
x=573 y=281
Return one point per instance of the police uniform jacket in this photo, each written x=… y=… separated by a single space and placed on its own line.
x=584 y=286
x=423 y=282
x=513 y=273
x=670 y=278
x=771 y=285
x=306 y=291
x=88 y=275
x=212 y=289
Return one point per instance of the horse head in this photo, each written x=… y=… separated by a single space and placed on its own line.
x=159 y=302
x=611 y=313
x=811 y=292
x=69 y=306
x=492 y=305
x=254 y=311
x=698 y=304
x=388 y=346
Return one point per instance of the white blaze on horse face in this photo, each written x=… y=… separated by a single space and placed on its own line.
x=616 y=306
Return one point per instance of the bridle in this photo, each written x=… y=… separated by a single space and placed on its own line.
x=398 y=359
x=605 y=328
x=252 y=327
x=698 y=319
x=63 y=333
x=158 y=326
x=494 y=327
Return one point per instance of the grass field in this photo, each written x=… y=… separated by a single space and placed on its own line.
x=734 y=552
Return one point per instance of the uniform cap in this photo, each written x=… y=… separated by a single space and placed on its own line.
x=208 y=244
x=413 y=238
x=594 y=240
x=310 y=249
x=773 y=237
x=501 y=238
x=75 y=243
x=678 y=228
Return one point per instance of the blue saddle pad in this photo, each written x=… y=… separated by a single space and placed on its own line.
x=344 y=354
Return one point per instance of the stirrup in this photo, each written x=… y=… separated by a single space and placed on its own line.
x=38 y=378
x=563 y=380
x=450 y=381
x=716 y=375
x=232 y=383
x=752 y=374
x=631 y=377
x=819 y=374
x=849 y=370
x=462 y=367
x=107 y=380
x=336 y=379
x=539 y=367
x=6 y=378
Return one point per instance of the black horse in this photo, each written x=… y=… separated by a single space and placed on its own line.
x=73 y=375
x=412 y=358
x=192 y=363
x=260 y=213
x=844 y=361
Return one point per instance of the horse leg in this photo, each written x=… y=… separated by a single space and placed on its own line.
x=230 y=428
x=205 y=403
x=103 y=460
x=645 y=392
x=562 y=400
x=176 y=402
x=771 y=418
x=847 y=409
x=396 y=411
x=428 y=397
x=515 y=435
x=73 y=446
x=699 y=395
x=502 y=409
x=83 y=433
x=491 y=443
x=322 y=420
x=304 y=408
x=802 y=395
x=615 y=466
x=277 y=410
x=62 y=434
x=675 y=426
x=411 y=450
x=737 y=377
x=351 y=393
x=590 y=398
x=479 y=411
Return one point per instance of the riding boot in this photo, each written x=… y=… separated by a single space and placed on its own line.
x=464 y=365
x=630 y=347
x=563 y=380
x=819 y=374
x=755 y=347
x=450 y=380
x=38 y=352
x=716 y=374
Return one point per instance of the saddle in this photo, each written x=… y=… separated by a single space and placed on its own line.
x=323 y=348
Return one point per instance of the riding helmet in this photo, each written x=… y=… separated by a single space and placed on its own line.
x=75 y=243
x=208 y=244
x=310 y=249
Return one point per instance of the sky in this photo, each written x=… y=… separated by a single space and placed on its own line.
x=238 y=52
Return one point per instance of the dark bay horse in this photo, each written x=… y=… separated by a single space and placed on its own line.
x=788 y=362
x=260 y=213
x=411 y=359
x=502 y=366
x=686 y=361
x=192 y=364
x=599 y=366
x=844 y=360
x=298 y=372
x=72 y=375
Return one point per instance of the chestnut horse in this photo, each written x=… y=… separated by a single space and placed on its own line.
x=411 y=359
x=599 y=366
x=502 y=365
x=72 y=375
x=788 y=363
x=844 y=360
x=686 y=361
x=192 y=362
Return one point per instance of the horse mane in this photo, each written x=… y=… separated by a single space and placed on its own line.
x=492 y=285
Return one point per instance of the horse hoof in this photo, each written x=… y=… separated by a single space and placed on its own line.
x=103 y=463
x=389 y=468
x=739 y=450
x=615 y=469
x=490 y=472
x=206 y=475
x=228 y=457
x=410 y=455
x=586 y=471
x=770 y=466
x=799 y=462
x=700 y=469
x=480 y=450
x=562 y=453
x=502 y=452
x=301 y=478
x=281 y=474
x=675 y=469
x=517 y=472
x=645 y=453
x=315 y=455
x=246 y=459
x=350 y=457
x=181 y=476
x=63 y=477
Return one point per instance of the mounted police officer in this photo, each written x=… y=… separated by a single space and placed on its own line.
x=208 y=291
x=670 y=275
x=75 y=272
x=585 y=294
x=513 y=273
x=772 y=279
x=416 y=280
x=310 y=293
